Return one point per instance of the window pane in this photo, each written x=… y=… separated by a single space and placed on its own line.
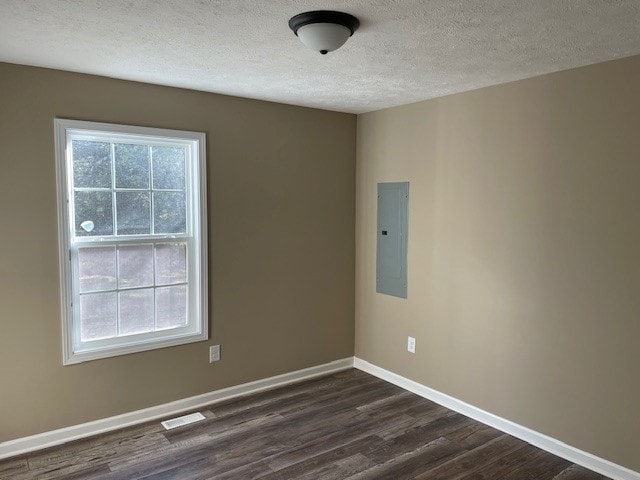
x=94 y=214
x=132 y=166
x=169 y=212
x=98 y=316
x=91 y=164
x=135 y=266
x=134 y=213
x=97 y=268
x=171 y=307
x=168 y=168
x=136 y=311
x=171 y=263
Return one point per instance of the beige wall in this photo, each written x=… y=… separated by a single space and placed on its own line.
x=281 y=206
x=524 y=251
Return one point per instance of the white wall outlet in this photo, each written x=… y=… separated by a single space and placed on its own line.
x=214 y=353
x=411 y=344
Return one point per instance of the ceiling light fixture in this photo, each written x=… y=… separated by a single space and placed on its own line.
x=324 y=30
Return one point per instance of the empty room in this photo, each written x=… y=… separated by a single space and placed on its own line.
x=320 y=240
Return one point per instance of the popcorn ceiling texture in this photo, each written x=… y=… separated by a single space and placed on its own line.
x=405 y=50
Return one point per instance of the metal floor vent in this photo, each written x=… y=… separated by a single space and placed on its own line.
x=184 y=420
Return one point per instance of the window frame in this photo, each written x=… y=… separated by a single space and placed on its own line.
x=73 y=349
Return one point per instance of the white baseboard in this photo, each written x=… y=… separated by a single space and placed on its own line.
x=67 y=434
x=544 y=442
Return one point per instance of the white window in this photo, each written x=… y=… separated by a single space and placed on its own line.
x=133 y=248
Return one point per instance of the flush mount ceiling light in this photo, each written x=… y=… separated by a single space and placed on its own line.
x=324 y=30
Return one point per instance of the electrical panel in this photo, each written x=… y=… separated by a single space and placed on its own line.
x=391 y=251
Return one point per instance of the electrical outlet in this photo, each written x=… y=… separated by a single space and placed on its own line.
x=411 y=344
x=214 y=353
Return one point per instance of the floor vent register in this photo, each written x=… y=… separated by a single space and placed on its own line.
x=184 y=420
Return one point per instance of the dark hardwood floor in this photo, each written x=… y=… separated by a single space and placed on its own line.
x=348 y=425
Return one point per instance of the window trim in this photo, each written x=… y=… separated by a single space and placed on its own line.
x=197 y=211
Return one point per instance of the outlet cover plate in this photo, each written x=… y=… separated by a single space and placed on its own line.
x=214 y=353
x=411 y=344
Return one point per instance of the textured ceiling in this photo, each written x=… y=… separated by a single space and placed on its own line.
x=405 y=50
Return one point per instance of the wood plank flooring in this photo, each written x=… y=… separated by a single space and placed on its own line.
x=348 y=425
